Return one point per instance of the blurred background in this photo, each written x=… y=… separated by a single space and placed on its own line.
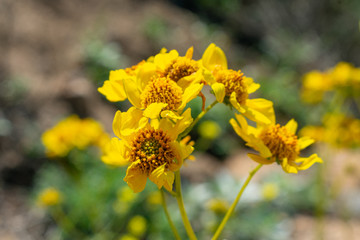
x=54 y=56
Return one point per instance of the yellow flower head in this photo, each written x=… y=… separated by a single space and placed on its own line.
x=315 y=84
x=137 y=226
x=270 y=191
x=218 y=205
x=49 y=197
x=151 y=148
x=73 y=132
x=209 y=129
x=276 y=143
x=174 y=81
x=233 y=87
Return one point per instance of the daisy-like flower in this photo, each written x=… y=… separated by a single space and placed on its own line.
x=232 y=87
x=151 y=148
x=177 y=81
x=276 y=143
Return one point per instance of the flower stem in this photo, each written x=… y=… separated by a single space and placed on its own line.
x=233 y=205
x=188 y=228
x=173 y=228
x=187 y=130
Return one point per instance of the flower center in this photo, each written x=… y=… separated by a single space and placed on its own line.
x=281 y=143
x=162 y=90
x=233 y=82
x=152 y=148
x=179 y=68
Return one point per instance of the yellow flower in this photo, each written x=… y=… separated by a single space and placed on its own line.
x=137 y=226
x=233 y=87
x=270 y=191
x=218 y=205
x=125 y=194
x=49 y=197
x=209 y=129
x=177 y=81
x=315 y=84
x=275 y=144
x=154 y=198
x=128 y=237
x=73 y=132
x=151 y=148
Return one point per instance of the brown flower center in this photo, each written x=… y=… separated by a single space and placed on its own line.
x=162 y=90
x=281 y=143
x=179 y=68
x=233 y=82
x=152 y=148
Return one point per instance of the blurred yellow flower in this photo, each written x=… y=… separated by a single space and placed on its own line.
x=218 y=205
x=270 y=191
x=209 y=129
x=137 y=226
x=344 y=76
x=154 y=198
x=128 y=237
x=275 y=144
x=125 y=194
x=49 y=197
x=151 y=148
x=233 y=87
x=338 y=130
x=73 y=132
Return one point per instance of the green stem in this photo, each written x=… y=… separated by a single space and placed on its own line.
x=173 y=228
x=233 y=205
x=187 y=130
x=188 y=228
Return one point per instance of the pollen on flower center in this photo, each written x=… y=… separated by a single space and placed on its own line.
x=233 y=82
x=152 y=148
x=179 y=68
x=280 y=142
x=162 y=90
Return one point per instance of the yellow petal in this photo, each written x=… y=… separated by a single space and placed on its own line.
x=154 y=109
x=113 y=90
x=256 y=116
x=259 y=159
x=162 y=60
x=305 y=141
x=171 y=115
x=135 y=178
x=214 y=56
x=264 y=106
x=125 y=123
x=115 y=153
x=189 y=53
x=161 y=177
x=133 y=93
x=235 y=103
x=287 y=167
x=190 y=93
x=145 y=73
x=172 y=130
x=292 y=126
x=251 y=86
x=308 y=162
x=219 y=91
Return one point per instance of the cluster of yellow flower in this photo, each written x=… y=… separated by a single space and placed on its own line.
x=73 y=132
x=338 y=130
x=152 y=135
x=343 y=77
